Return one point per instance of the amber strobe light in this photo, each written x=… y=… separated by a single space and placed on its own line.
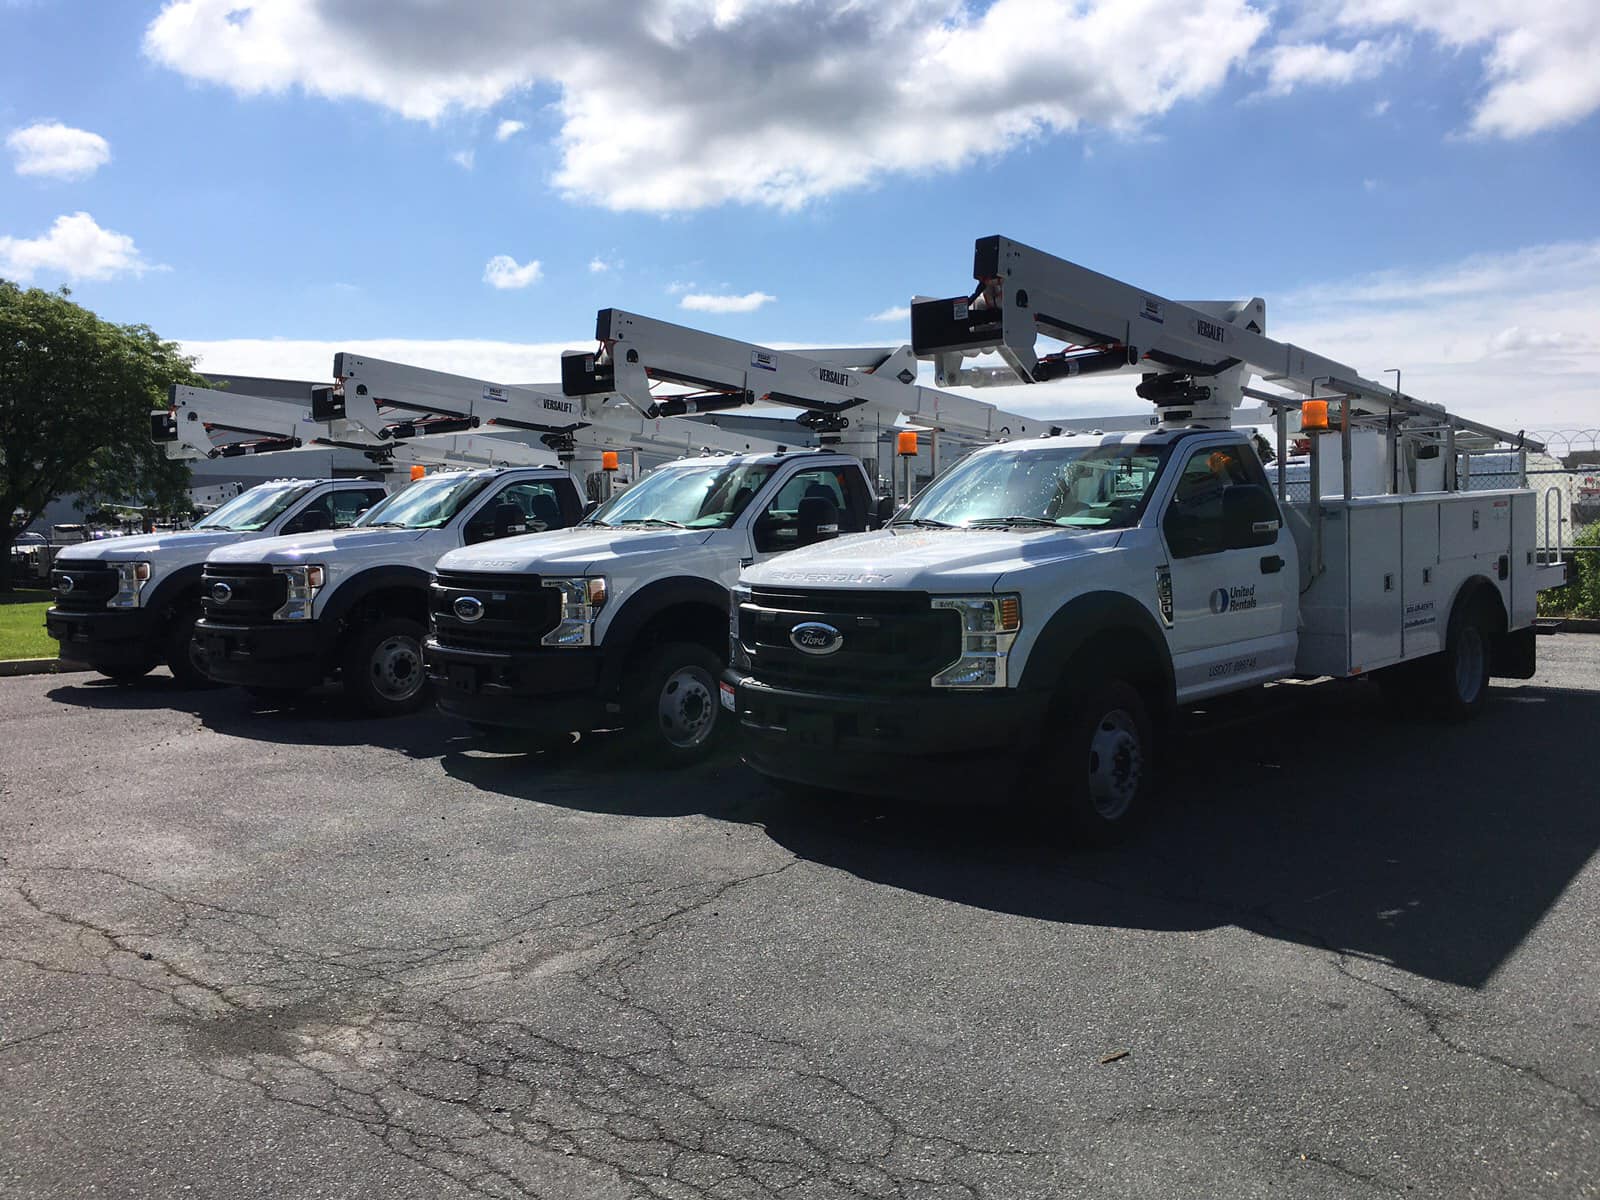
x=906 y=443
x=608 y=460
x=1314 y=414
x=418 y=471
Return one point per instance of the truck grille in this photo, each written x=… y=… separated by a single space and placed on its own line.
x=517 y=611
x=890 y=641
x=90 y=588
x=241 y=592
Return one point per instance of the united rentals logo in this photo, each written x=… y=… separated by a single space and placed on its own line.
x=814 y=637
x=1234 y=599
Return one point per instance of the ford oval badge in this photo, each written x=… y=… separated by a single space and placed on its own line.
x=66 y=584
x=220 y=592
x=813 y=637
x=468 y=609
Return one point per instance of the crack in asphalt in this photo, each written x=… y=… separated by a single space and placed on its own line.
x=589 y=1088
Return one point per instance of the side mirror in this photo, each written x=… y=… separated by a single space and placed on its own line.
x=1250 y=517
x=509 y=519
x=590 y=506
x=817 y=520
x=884 y=512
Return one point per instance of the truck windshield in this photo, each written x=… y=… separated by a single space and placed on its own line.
x=254 y=510
x=426 y=504
x=1072 y=487
x=704 y=496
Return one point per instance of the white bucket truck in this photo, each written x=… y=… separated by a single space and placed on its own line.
x=1046 y=607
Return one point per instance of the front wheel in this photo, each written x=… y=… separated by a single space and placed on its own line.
x=673 y=710
x=1095 y=782
x=382 y=668
x=183 y=656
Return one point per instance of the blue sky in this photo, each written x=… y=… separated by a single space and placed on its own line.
x=267 y=182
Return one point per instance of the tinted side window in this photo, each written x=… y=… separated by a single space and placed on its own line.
x=540 y=506
x=351 y=503
x=834 y=483
x=1193 y=524
x=319 y=514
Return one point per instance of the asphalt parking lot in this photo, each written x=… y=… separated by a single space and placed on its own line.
x=289 y=953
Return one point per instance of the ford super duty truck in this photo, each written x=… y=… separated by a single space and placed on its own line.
x=285 y=614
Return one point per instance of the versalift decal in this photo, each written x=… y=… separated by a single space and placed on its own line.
x=764 y=359
x=1233 y=599
x=1214 y=330
x=561 y=406
x=837 y=378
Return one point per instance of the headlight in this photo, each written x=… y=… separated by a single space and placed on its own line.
x=581 y=597
x=989 y=625
x=304 y=584
x=736 y=655
x=131 y=578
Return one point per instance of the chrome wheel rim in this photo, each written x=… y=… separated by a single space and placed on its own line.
x=397 y=668
x=1116 y=764
x=1469 y=664
x=686 y=710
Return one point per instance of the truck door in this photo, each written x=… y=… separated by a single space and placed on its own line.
x=810 y=505
x=523 y=506
x=1230 y=563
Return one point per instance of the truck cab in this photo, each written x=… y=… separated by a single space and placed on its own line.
x=623 y=621
x=1033 y=581
x=122 y=605
x=285 y=614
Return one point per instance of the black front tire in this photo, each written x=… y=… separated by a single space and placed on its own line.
x=182 y=657
x=1095 y=783
x=382 y=668
x=674 y=713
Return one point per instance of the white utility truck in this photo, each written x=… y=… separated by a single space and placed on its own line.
x=283 y=614
x=623 y=620
x=1048 y=606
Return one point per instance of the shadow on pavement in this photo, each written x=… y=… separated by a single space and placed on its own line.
x=317 y=718
x=1322 y=818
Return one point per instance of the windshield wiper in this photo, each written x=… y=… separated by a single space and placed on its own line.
x=921 y=523
x=653 y=521
x=1013 y=520
x=386 y=525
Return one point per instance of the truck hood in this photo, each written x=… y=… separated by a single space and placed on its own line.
x=145 y=545
x=934 y=560
x=311 y=547
x=572 y=551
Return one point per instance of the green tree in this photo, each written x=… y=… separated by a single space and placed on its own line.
x=75 y=399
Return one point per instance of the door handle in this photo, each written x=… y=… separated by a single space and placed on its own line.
x=1271 y=564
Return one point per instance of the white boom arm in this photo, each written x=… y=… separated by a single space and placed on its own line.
x=832 y=387
x=190 y=429
x=1195 y=355
x=381 y=398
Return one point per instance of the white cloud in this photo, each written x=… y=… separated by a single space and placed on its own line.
x=812 y=98
x=75 y=247
x=507 y=130
x=598 y=265
x=1538 y=55
x=58 y=151
x=678 y=287
x=703 y=302
x=504 y=272
x=1380 y=108
x=464 y=159
x=898 y=313
x=1313 y=64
